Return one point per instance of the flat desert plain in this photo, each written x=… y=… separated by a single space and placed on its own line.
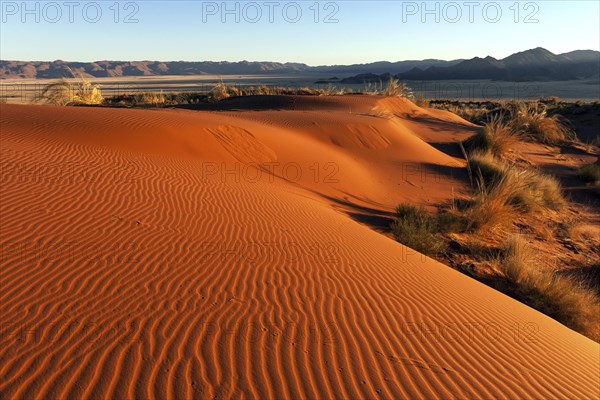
x=233 y=253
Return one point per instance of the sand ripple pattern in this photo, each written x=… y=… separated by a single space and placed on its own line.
x=131 y=275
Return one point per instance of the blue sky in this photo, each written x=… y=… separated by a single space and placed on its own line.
x=340 y=32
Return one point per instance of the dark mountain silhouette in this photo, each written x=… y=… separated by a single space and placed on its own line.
x=532 y=65
x=59 y=68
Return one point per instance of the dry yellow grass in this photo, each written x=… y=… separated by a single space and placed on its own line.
x=492 y=206
x=505 y=191
x=222 y=91
x=151 y=98
x=533 y=120
x=381 y=113
x=559 y=297
x=395 y=88
x=67 y=93
x=496 y=137
x=477 y=115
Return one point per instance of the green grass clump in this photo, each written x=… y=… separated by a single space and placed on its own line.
x=422 y=231
x=416 y=228
x=590 y=173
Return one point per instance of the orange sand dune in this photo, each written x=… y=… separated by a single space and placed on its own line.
x=230 y=254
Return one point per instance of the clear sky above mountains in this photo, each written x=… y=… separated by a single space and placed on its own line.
x=311 y=32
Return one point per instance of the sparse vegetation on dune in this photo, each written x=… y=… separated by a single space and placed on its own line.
x=590 y=173
x=505 y=196
x=505 y=190
x=533 y=120
x=67 y=93
x=150 y=98
x=470 y=112
x=222 y=91
x=416 y=228
x=496 y=137
x=570 y=301
x=564 y=299
x=492 y=205
x=395 y=88
x=544 y=120
x=424 y=232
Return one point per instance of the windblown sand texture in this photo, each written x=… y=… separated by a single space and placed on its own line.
x=171 y=254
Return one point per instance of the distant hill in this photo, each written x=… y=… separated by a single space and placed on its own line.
x=100 y=69
x=59 y=68
x=532 y=65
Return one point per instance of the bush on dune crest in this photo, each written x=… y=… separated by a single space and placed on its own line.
x=66 y=93
x=222 y=91
x=395 y=88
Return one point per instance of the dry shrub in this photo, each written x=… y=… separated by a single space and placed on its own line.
x=504 y=189
x=416 y=228
x=533 y=120
x=150 y=98
x=395 y=88
x=564 y=299
x=492 y=206
x=381 y=113
x=67 y=93
x=496 y=137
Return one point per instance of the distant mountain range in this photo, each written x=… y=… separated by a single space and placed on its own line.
x=100 y=69
x=532 y=65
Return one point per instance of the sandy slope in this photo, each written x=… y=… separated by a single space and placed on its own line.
x=200 y=254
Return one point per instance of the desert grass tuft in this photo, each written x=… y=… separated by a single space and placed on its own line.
x=492 y=206
x=526 y=189
x=381 y=113
x=590 y=173
x=534 y=121
x=416 y=228
x=421 y=101
x=564 y=299
x=395 y=88
x=496 y=137
x=484 y=163
x=150 y=99
x=67 y=93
